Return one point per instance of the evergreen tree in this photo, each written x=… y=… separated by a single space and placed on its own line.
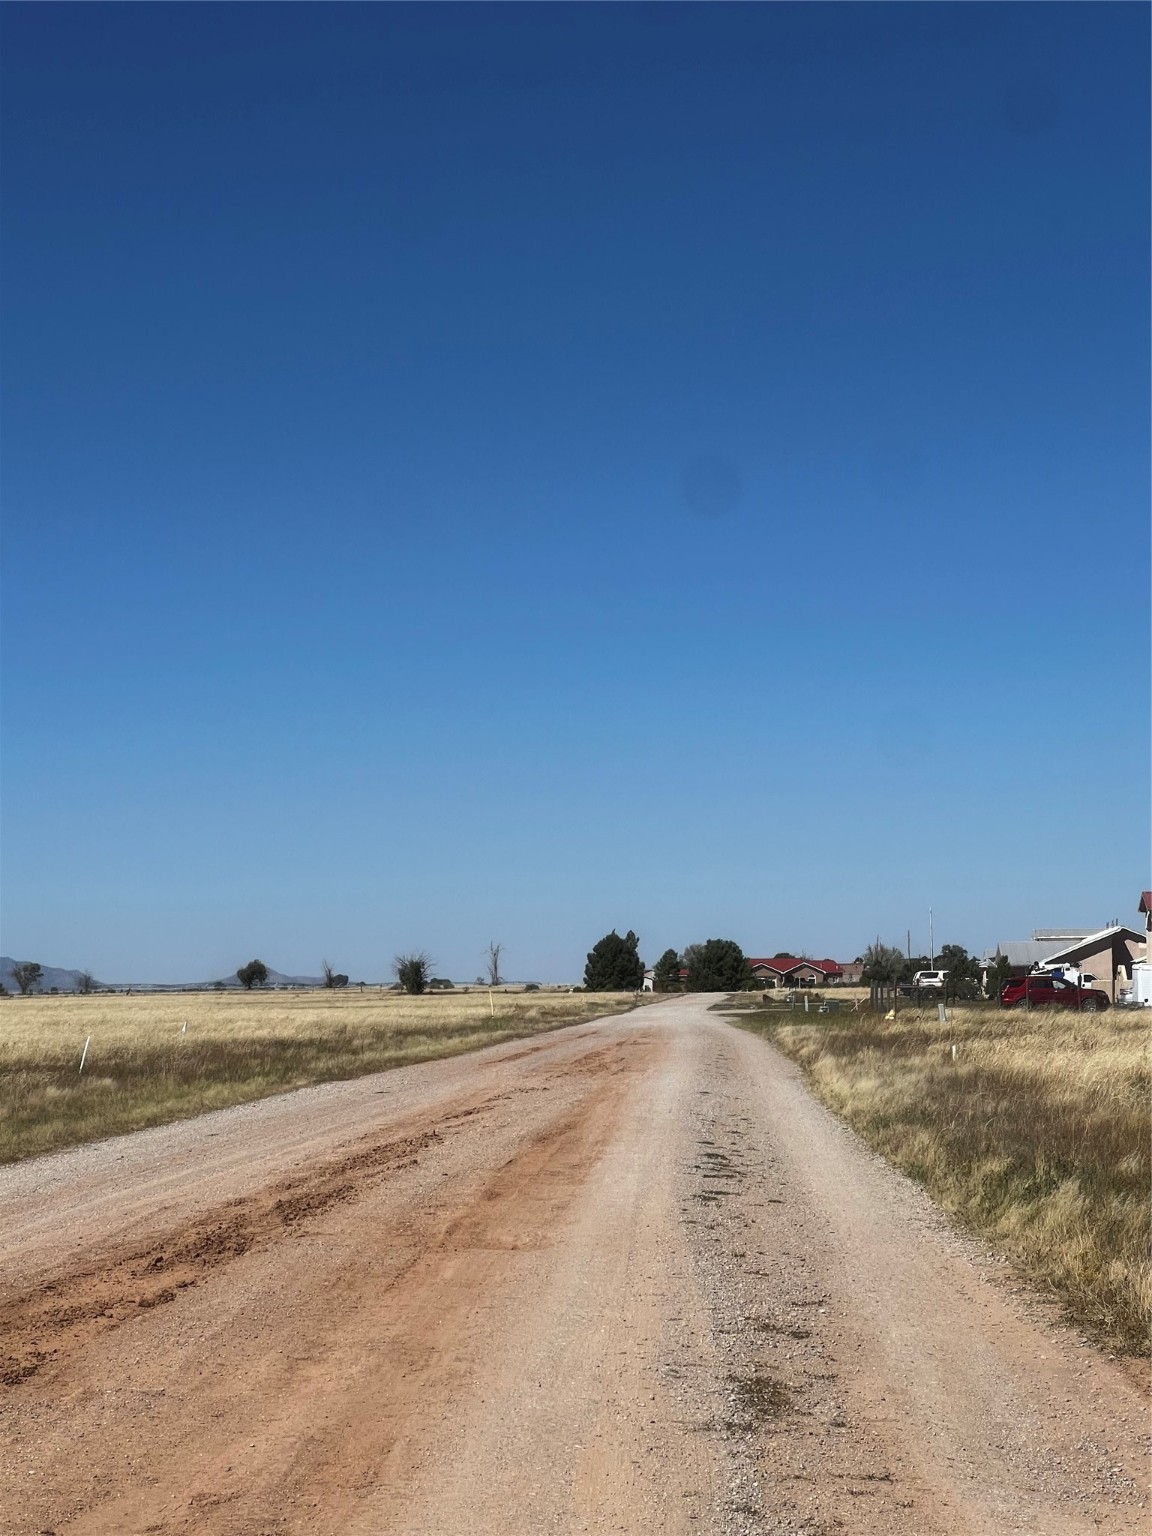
x=718 y=965
x=666 y=973
x=963 y=981
x=913 y=964
x=614 y=964
x=998 y=973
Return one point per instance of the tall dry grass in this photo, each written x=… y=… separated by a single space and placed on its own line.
x=143 y=1070
x=1037 y=1135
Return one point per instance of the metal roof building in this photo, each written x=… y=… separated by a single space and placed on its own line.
x=1110 y=954
x=1020 y=954
x=1023 y=954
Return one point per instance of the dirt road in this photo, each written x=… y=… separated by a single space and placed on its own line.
x=628 y=1277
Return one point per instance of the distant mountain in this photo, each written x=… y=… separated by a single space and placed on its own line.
x=54 y=976
x=275 y=979
x=69 y=981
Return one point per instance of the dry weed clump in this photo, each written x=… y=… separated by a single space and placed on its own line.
x=1034 y=1131
x=144 y=1068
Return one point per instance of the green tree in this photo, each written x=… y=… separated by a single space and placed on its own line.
x=998 y=973
x=666 y=972
x=717 y=965
x=963 y=980
x=614 y=964
x=883 y=964
x=254 y=974
x=27 y=975
x=412 y=971
x=913 y=964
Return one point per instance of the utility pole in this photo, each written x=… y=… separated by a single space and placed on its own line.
x=931 y=942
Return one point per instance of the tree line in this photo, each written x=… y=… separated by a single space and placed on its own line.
x=717 y=965
x=887 y=966
x=614 y=965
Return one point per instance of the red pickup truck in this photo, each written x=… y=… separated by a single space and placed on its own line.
x=1043 y=991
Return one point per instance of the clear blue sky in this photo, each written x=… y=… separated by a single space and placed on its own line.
x=506 y=472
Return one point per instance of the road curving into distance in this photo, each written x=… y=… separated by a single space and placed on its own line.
x=627 y=1277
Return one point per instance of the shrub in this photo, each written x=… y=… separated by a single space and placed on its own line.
x=411 y=972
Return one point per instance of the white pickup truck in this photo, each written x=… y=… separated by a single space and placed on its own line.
x=927 y=981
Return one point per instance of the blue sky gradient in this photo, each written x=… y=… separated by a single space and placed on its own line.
x=513 y=471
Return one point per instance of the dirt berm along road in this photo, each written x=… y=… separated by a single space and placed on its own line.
x=624 y=1277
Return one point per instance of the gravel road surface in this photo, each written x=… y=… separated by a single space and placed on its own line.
x=628 y=1277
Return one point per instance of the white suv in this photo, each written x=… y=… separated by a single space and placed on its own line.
x=930 y=979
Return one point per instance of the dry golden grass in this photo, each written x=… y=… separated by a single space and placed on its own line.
x=1036 y=1135
x=142 y=1070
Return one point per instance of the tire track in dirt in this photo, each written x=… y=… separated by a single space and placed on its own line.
x=638 y=1283
x=318 y=1404
x=57 y=1317
x=58 y=1209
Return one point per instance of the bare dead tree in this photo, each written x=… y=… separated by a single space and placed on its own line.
x=85 y=982
x=493 y=952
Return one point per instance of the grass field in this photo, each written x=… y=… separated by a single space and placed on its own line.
x=143 y=1070
x=1037 y=1135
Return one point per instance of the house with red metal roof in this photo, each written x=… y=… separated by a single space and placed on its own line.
x=794 y=971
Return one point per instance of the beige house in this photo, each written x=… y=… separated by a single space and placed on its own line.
x=1107 y=955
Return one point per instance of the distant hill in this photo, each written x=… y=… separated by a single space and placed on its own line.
x=68 y=981
x=54 y=976
x=275 y=979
